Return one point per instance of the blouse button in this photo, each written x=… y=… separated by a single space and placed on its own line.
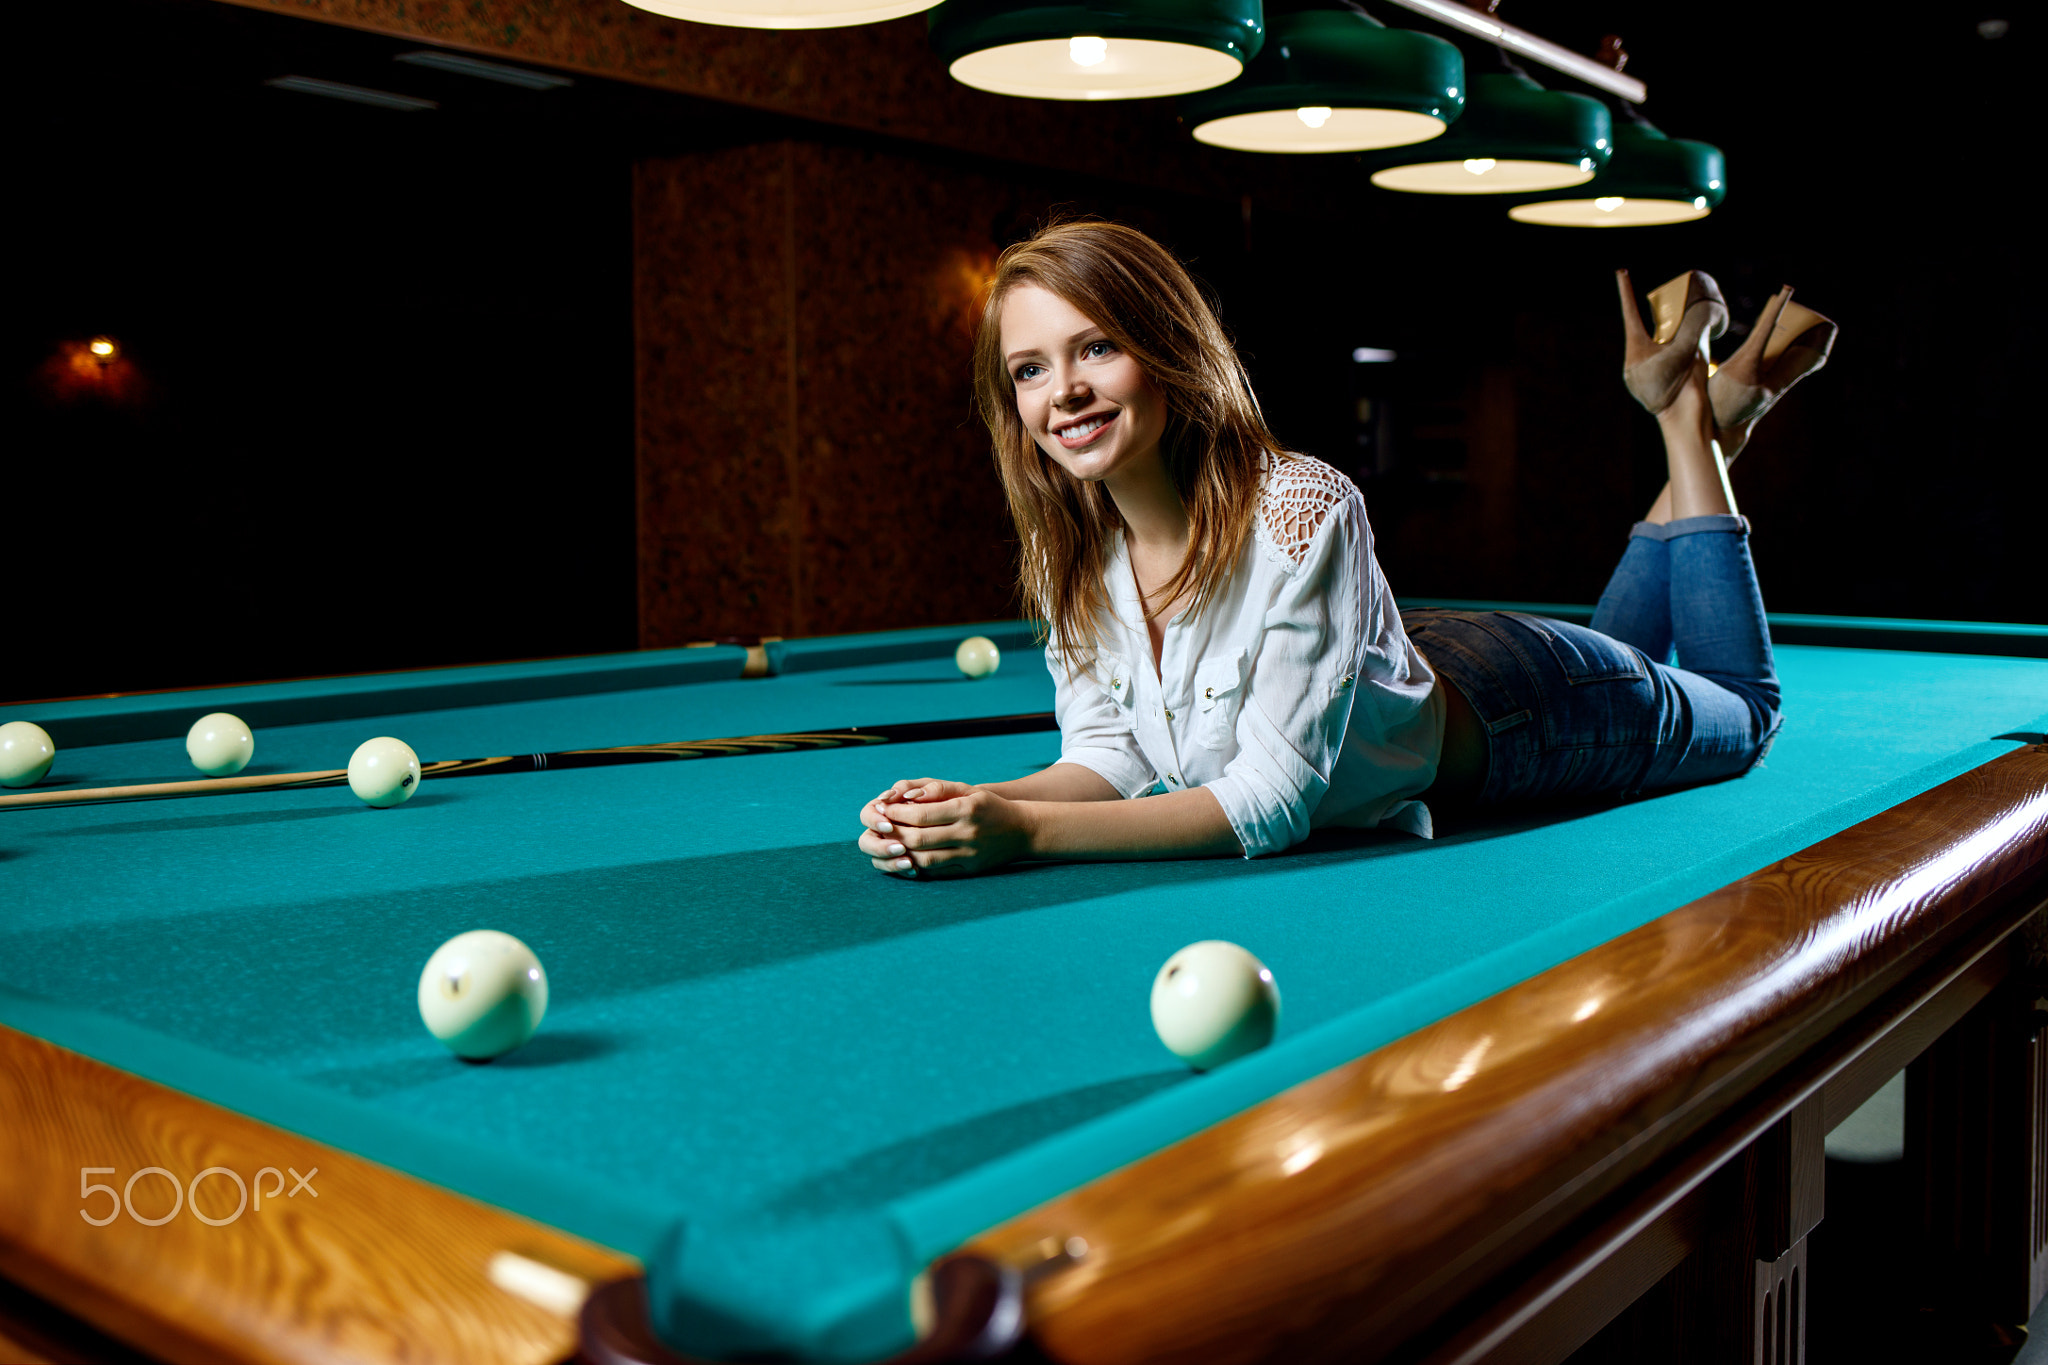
x=1208 y=694
x=1169 y=715
x=1346 y=681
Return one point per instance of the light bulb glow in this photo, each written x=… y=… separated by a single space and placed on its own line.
x=1612 y=211
x=102 y=347
x=784 y=14
x=1090 y=67
x=1318 y=128
x=1481 y=175
x=1700 y=202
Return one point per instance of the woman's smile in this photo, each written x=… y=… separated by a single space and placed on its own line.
x=1083 y=431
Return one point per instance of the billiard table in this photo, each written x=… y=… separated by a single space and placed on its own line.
x=1557 y=1073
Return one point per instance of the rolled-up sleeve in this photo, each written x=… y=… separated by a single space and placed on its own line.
x=1330 y=634
x=1095 y=729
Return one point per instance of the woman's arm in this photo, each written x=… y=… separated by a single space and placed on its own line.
x=1060 y=782
x=1182 y=824
x=1334 y=675
x=947 y=829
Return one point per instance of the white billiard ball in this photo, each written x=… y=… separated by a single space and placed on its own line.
x=482 y=994
x=1213 y=1002
x=219 y=745
x=977 y=656
x=26 y=753
x=384 y=771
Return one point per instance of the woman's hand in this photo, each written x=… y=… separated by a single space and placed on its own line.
x=931 y=827
x=879 y=841
x=910 y=789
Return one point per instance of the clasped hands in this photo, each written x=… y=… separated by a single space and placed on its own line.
x=928 y=827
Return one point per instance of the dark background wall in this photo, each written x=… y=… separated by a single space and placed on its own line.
x=679 y=350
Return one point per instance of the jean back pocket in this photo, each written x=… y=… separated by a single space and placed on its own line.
x=1583 y=655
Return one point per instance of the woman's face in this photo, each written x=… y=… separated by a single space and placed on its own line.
x=1084 y=401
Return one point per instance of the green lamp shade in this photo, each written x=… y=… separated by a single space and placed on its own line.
x=1651 y=179
x=784 y=13
x=1515 y=137
x=1334 y=81
x=1109 y=50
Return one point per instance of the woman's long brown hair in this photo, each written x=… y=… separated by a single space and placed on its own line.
x=1216 y=437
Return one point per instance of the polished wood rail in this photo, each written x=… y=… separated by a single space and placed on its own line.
x=366 y=1264
x=1346 y=1216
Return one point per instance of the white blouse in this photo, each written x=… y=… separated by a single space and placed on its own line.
x=1295 y=697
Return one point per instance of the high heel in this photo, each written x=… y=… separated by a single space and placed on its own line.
x=1787 y=344
x=1689 y=313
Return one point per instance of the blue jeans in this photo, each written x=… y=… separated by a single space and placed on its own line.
x=1577 y=712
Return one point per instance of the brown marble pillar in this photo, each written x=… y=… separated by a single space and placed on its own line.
x=808 y=458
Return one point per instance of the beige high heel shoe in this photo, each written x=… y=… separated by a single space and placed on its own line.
x=1787 y=344
x=1689 y=313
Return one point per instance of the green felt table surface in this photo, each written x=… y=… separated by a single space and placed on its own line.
x=661 y=680
x=865 y=695
x=785 y=1081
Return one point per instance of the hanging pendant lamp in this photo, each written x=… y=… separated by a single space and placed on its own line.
x=1096 y=49
x=1514 y=137
x=1651 y=179
x=1334 y=81
x=785 y=13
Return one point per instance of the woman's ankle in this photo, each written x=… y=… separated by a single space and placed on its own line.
x=1690 y=417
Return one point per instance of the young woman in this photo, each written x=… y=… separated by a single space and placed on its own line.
x=1221 y=635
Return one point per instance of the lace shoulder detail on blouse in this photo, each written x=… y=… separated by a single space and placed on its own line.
x=1295 y=495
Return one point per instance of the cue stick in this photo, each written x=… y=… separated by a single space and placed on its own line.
x=856 y=736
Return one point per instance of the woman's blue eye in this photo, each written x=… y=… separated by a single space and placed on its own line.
x=1025 y=372
x=1095 y=348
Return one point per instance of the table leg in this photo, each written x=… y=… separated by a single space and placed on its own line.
x=1786 y=1183
x=1977 y=1160
x=1740 y=1298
